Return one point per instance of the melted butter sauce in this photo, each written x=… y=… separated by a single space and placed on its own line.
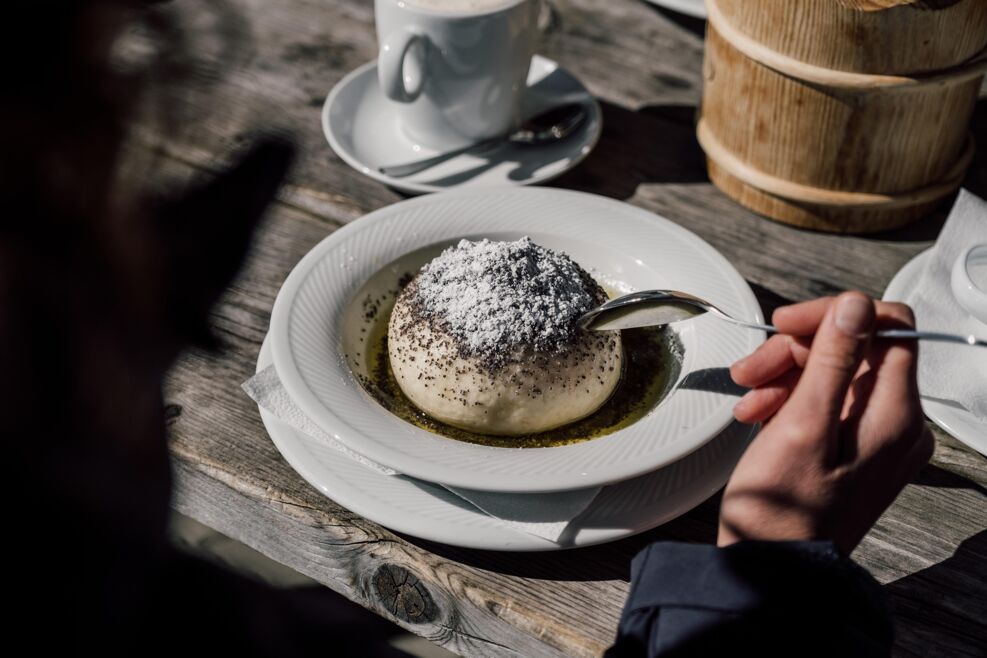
x=652 y=364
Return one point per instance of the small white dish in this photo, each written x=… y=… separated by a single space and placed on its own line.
x=363 y=130
x=316 y=315
x=952 y=418
x=433 y=513
x=694 y=8
x=968 y=292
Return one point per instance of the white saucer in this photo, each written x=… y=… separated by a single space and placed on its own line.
x=362 y=129
x=956 y=420
x=695 y=8
x=430 y=512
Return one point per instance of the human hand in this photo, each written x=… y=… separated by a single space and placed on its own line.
x=843 y=429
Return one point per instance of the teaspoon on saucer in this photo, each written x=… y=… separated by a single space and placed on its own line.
x=549 y=126
x=649 y=308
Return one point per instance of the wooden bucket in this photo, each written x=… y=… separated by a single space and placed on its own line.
x=841 y=115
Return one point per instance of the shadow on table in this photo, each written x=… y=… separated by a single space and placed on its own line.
x=953 y=589
x=976 y=178
x=656 y=144
x=768 y=299
x=934 y=476
x=690 y=23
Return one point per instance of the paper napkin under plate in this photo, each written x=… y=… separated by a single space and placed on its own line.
x=544 y=515
x=948 y=371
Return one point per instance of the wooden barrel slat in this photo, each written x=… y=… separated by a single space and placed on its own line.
x=786 y=189
x=799 y=147
x=865 y=36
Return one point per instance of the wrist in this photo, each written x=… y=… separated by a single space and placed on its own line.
x=779 y=530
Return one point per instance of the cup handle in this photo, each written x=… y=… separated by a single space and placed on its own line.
x=399 y=84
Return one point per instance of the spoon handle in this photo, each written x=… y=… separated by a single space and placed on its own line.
x=409 y=168
x=896 y=334
x=909 y=334
x=771 y=329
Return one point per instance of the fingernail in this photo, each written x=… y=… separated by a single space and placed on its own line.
x=780 y=309
x=743 y=402
x=854 y=315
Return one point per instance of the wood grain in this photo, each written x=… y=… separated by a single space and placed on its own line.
x=930 y=548
x=803 y=144
x=886 y=37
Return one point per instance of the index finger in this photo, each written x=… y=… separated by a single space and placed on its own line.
x=770 y=360
x=801 y=319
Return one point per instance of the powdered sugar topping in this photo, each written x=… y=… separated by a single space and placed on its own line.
x=493 y=297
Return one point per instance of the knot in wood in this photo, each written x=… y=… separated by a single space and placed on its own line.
x=404 y=595
x=171 y=413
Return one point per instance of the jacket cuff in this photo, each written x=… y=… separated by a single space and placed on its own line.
x=750 y=576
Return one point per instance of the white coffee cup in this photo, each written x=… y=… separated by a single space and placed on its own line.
x=455 y=70
x=968 y=281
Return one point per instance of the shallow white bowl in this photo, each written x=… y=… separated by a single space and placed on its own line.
x=625 y=246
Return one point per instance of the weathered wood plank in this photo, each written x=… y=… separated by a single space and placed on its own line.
x=218 y=437
x=367 y=565
x=930 y=548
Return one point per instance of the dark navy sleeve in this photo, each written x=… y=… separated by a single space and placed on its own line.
x=751 y=598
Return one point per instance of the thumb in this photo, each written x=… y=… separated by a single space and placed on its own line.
x=836 y=352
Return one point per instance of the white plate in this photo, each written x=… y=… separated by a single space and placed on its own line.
x=696 y=8
x=956 y=420
x=364 y=131
x=430 y=512
x=314 y=320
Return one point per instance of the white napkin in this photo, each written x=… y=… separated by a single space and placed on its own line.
x=947 y=371
x=266 y=390
x=542 y=515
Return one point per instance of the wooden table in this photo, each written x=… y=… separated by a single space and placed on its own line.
x=929 y=549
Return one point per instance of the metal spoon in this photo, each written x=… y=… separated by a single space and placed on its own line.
x=549 y=126
x=650 y=308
